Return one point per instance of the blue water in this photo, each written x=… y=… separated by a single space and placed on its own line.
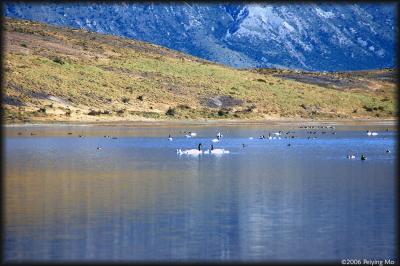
x=136 y=199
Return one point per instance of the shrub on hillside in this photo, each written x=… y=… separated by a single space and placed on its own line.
x=58 y=60
x=170 y=112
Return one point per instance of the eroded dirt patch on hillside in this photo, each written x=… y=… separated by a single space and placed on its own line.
x=221 y=101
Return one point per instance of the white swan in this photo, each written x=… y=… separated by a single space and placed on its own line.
x=193 y=134
x=170 y=139
x=189 y=152
x=277 y=133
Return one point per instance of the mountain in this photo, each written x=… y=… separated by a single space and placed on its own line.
x=319 y=37
x=65 y=74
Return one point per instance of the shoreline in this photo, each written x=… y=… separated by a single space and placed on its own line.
x=206 y=122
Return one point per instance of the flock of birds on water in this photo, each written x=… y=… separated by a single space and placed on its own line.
x=276 y=135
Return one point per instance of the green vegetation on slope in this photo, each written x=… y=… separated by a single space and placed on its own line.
x=54 y=73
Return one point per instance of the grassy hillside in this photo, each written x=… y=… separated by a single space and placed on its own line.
x=54 y=73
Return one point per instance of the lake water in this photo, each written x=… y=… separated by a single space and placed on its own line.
x=136 y=199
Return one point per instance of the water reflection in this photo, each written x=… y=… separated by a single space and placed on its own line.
x=137 y=200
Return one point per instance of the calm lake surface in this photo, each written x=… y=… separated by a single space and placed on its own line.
x=136 y=199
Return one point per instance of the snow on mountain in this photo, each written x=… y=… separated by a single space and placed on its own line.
x=323 y=37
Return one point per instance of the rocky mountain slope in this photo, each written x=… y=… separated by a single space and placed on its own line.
x=318 y=37
x=63 y=74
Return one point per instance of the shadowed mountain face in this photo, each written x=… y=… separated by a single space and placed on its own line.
x=328 y=37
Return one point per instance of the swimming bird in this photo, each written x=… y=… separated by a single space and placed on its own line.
x=363 y=157
x=369 y=133
x=351 y=156
x=193 y=134
x=243 y=145
x=189 y=152
x=219 y=135
x=99 y=148
x=215 y=140
x=250 y=137
x=197 y=151
x=388 y=151
x=169 y=137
